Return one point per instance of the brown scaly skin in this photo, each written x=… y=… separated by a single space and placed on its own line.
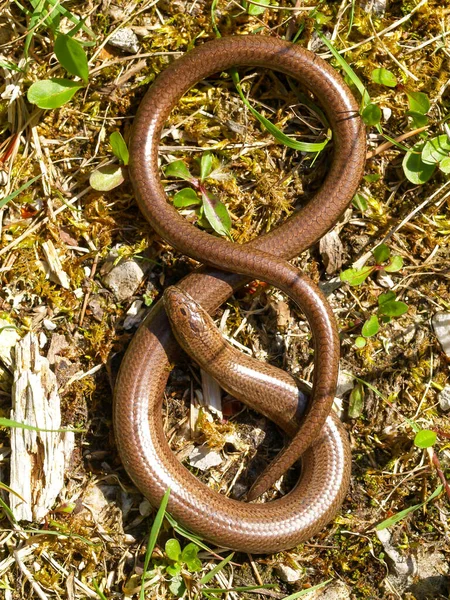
x=143 y=375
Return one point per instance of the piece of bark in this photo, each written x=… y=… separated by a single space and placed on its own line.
x=38 y=458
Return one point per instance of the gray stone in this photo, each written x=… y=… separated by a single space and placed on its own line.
x=204 y=458
x=441 y=326
x=335 y=591
x=444 y=398
x=125 y=39
x=288 y=574
x=345 y=383
x=124 y=279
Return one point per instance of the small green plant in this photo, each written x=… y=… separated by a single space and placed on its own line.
x=210 y=212
x=54 y=92
x=388 y=306
x=108 y=177
x=185 y=559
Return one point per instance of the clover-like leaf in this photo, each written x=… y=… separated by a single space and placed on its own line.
x=436 y=150
x=415 y=169
x=106 y=178
x=177 y=168
x=384 y=77
x=217 y=214
x=356 y=276
x=418 y=102
x=173 y=549
x=360 y=342
x=52 y=93
x=381 y=253
x=371 y=114
x=395 y=264
x=186 y=197
x=425 y=438
x=72 y=56
x=370 y=327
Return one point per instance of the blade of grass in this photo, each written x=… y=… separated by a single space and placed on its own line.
x=403 y=513
x=308 y=591
x=188 y=534
x=19 y=191
x=247 y=588
x=152 y=539
x=273 y=129
x=15 y=424
x=216 y=569
x=8 y=511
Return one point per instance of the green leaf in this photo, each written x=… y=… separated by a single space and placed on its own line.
x=253 y=9
x=177 y=168
x=395 y=264
x=402 y=514
x=119 y=147
x=347 y=69
x=174 y=570
x=425 y=438
x=186 y=197
x=418 y=102
x=302 y=593
x=72 y=56
x=393 y=308
x=52 y=93
x=177 y=586
x=371 y=114
x=360 y=202
x=152 y=539
x=356 y=276
x=381 y=253
x=414 y=168
x=173 y=549
x=418 y=119
x=4 y=422
x=23 y=187
x=387 y=297
x=217 y=214
x=206 y=165
x=384 y=77
x=189 y=554
x=444 y=165
x=106 y=178
x=216 y=569
x=371 y=327
x=436 y=150
x=356 y=401
x=371 y=177
x=273 y=129
x=360 y=342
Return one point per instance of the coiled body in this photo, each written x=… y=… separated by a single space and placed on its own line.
x=143 y=375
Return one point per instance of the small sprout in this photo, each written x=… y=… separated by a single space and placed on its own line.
x=425 y=438
x=356 y=276
x=418 y=102
x=384 y=77
x=72 y=57
x=186 y=197
x=52 y=93
x=360 y=342
x=186 y=558
x=371 y=327
x=381 y=254
x=371 y=114
x=389 y=307
x=415 y=169
x=206 y=165
x=106 y=178
x=119 y=147
x=371 y=177
x=178 y=169
x=360 y=202
x=435 y=150
x=253 y=9
x=356 y=401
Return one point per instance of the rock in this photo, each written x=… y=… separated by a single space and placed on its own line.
x=345 y=383
x=49 y=325
x=204 y=458
x=444 y=398
x=332 y=251
x=375 y=7
x=335 y=591
x=441 y=326
x=431 y=579
x=135 y=314
x=288 y=574
x=124 y=279
x=125 y=39
x=330 y=286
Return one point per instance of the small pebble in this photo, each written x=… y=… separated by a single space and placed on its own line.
x=441 y=326
x=124 y=279
x=345 y=383
x=49 y=325
x=204 y=458
x=288 y=574
x=125 y=39
x=444 y=398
